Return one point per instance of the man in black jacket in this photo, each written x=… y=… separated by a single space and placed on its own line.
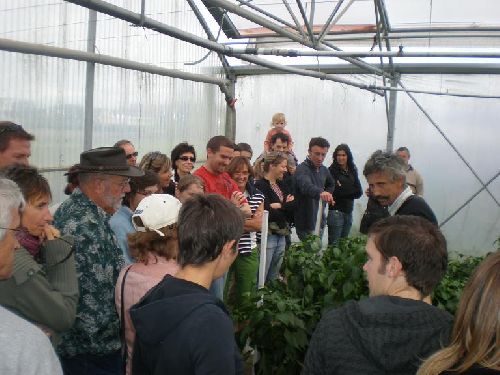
x=388 y=192
x=395 y=329
x=181 y=328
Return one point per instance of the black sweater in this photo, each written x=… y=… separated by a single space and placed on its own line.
x=280 y=216
x=181 y=328
x=378 y=335
x=347 y=188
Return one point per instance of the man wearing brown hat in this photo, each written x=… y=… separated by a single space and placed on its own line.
x=92 y=346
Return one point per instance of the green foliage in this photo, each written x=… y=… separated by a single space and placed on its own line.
x=281 y=317
x=448 y=292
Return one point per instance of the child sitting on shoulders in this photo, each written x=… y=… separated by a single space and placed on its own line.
x=278 y=126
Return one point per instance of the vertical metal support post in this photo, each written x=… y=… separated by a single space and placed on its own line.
x=230 y=128
x=89 y=84
x=391 y=119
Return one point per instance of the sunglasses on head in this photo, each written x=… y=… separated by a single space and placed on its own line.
x=186 y=158
x=10 y=128
x=129 y=156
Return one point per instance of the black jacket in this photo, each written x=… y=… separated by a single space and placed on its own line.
x=181 y=328
x=378 y=335
x=347 y=188
x=280 y=216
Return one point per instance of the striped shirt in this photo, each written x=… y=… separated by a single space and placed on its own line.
x=248 y=240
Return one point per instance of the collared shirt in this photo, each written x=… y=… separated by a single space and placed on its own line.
x=217 y=183
x=98 y=263
x=121 y=224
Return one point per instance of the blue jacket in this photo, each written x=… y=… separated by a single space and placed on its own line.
x=310 y=182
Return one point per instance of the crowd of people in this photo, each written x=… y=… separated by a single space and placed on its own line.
x=129 y=273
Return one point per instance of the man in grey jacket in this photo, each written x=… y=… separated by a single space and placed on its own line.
x=313 y=182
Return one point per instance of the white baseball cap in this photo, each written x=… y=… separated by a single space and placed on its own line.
x=155 y=212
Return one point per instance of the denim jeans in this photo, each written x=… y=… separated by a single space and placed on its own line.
x=217 y=287
x=274 y=256
x=339 y=226
x=88 y=364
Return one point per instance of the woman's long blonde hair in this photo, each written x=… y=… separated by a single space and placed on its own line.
x=476 y=332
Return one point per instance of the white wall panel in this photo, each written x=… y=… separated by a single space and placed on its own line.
x=348 y=115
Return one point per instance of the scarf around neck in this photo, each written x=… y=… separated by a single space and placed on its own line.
x=396 y=205
x=29 y=242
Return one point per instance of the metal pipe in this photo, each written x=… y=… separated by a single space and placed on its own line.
x=88 y=120
x=329 y=22
x=364 y=54
x=438 y=93
x=43 y=50
x=126 y=15
x=308 y=73
x=204 y=25
x=306 y=22
x=280 y=31
x=295 y=20
x=469 y=200
x=391 y=118
x=265 y=13
x=449 y=142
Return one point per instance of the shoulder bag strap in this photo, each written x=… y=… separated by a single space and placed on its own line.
x=122 y=321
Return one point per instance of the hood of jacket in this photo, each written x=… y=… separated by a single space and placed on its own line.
x=170 y=303
x=396 y=333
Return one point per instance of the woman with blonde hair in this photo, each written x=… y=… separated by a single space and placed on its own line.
x=160 y=164
x=475 y=341
x=155 y=248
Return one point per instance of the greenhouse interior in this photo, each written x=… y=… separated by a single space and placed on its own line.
x=373 y=74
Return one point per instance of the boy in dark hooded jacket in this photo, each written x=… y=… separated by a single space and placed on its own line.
x=181 y=328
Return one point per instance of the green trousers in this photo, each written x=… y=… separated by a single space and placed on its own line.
x=242 y=278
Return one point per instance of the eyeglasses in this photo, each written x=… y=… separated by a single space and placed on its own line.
x=134 y=154
x=192 y=159
x=10 y=128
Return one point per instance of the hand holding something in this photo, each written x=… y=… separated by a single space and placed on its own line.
x=327 y=197
x=50 y=232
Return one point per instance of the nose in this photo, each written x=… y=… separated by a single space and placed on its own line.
x=16 y=244
x=47 y=215
x=364 y=266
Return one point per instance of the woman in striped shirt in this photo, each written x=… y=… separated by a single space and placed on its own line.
x=245 y=267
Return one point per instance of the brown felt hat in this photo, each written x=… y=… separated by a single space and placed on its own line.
x=108 y=160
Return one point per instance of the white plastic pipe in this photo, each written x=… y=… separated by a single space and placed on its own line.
x=319 y=217
x=263 y=246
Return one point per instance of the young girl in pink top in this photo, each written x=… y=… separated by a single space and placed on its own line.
x=154 y=247
x=278 y=124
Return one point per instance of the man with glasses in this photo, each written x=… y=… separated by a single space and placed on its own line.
x=15 y=144
x=129 y=149
x=24 y=348
x=93 y=345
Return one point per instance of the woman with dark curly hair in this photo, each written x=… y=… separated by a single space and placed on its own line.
x=347 y=188
x=154 y=247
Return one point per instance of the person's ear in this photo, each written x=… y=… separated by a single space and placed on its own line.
x=229 y=248
x=394 y=267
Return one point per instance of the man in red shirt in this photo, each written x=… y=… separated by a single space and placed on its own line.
x=213 y=173
x=220 y=151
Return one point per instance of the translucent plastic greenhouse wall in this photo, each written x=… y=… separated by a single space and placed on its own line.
x=348 y=115
x=47 y=95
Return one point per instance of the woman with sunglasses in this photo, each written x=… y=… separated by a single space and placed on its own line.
x=160 y=164
x=183 y=158
x=43 y=287
x=121 y=221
